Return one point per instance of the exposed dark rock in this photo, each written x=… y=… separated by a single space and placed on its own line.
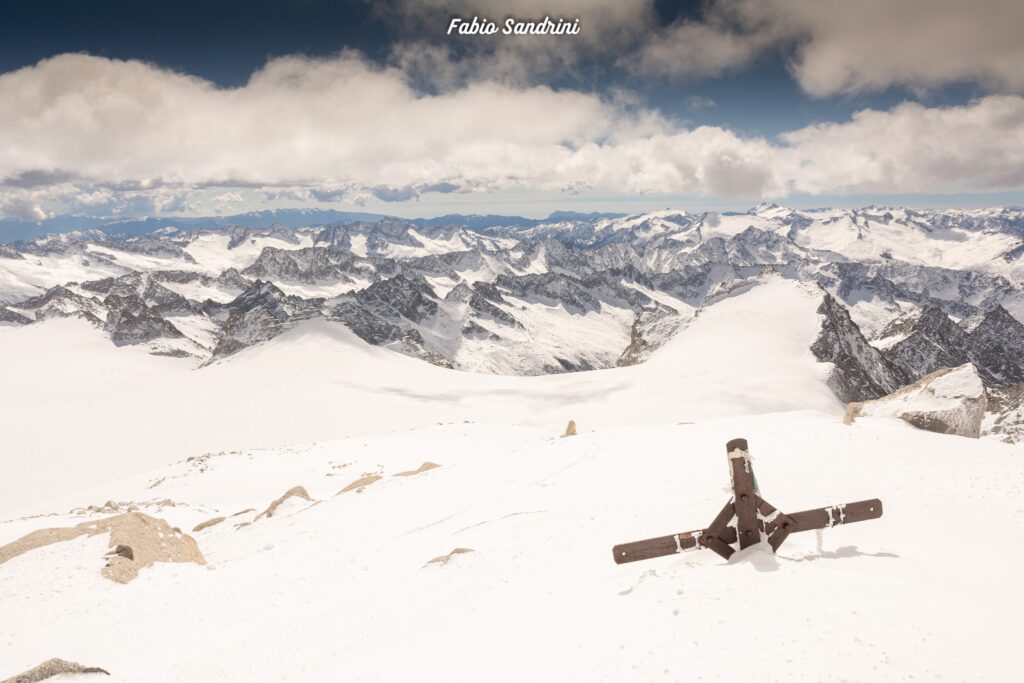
x=996 y=347
x=131 y=321
x=551 y=288
x=860 y=371
x=410 y=298
x=311 y=265
x=58 y=302
x=1005 y=416
x=9 y=316
x=633 y=353
x=123 y=551
x=258 y=314
x=928 y=339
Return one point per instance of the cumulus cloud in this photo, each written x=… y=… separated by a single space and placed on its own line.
x=120 y=137
x=22 y=209
x=913 y=148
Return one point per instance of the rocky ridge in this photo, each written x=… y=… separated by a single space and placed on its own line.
x=537 y=297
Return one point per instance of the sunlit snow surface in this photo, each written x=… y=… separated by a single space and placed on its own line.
x=931 y=590
x=342 y=588
x=76 y=394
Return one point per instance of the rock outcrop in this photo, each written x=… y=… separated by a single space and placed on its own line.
x=927 y=339
x=859 y=372
x=1005 y=417
x=635 y=352
x=7 y=316
x=53 y=667
x=947 y=401
x=294 y=492
x=137 y=541
x=360 y=483
x=419 y=470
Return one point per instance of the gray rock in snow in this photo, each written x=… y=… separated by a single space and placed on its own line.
x=947 y=401
x=926 y=340
x=860 y=372
x=11 y=317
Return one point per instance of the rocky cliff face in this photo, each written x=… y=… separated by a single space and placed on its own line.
x=637 y=349
x=61 y=301
x=7 y=316
x=996 y=347
x=131 y=321
x=924 y=341
x=146 y=288
x=310 y=265
x=860 y=371
x=258 y=314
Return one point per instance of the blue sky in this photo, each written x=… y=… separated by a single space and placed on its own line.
x=121 y=108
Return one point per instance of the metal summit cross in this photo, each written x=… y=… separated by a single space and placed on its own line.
x=753 y=516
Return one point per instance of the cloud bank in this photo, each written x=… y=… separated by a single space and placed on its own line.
x=83 y=131
x=833 y=46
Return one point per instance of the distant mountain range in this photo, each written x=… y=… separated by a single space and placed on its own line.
x=903 y=292
x=13 y=229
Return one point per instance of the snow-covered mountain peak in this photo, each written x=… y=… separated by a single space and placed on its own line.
x=523 y=298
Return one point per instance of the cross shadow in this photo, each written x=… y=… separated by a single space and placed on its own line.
x=761 y=558
x=841 y=553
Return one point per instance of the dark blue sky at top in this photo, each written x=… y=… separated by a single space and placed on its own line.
x=225 y=41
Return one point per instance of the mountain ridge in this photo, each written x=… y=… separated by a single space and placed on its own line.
x=580 y=293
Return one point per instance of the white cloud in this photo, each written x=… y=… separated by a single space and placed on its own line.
x=229 y=198
x=22 y=209
x=833 y=46
x=842 y=47
x=913 y=148
x=709 y=47
x=79 y=131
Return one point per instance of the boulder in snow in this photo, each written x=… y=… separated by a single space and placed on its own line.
x=298 y=492
x=137 y=541
x=54 y=667
x=948 y=401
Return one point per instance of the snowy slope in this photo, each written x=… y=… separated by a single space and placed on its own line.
x=34 y=274
x=747 y=354
x=869 y=237
x=343 y=585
